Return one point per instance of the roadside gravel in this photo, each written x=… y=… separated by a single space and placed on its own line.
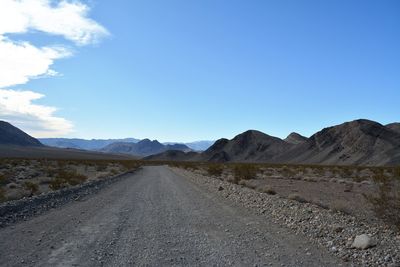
x=21 y=210
x=155 y=217
x=332 y=230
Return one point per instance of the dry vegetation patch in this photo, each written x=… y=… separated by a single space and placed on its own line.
x=369 y=193
x=24 y=178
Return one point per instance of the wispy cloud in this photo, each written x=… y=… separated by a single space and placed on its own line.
x=17 y=106
x=23 y=61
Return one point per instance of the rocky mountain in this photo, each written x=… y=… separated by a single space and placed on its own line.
x=394 y=126
x=11 y=135
x=359 y=142
x=249 y=146
x=143 y=148
x=295 y=138
x=93 y=144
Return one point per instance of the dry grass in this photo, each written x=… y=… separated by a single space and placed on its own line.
x=297 y=198
x=340 y=206
x=386 y=203
x=267 y=189
x=245 y=171
x=215 y=169
x=33 y=188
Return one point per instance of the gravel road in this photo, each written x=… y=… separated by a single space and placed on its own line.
x=154 y=217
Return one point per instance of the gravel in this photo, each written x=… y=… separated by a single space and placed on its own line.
x=333 y=230
x=21 y=210
x=155 y=218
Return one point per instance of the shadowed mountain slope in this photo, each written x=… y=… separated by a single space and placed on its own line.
x=249 y=146
x=359 y=142
x=362 y=142
x=11 y=135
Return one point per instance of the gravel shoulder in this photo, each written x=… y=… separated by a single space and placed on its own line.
x=155 y=217
x=334 y=231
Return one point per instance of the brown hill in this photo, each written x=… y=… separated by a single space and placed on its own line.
x=394 y=127
x=11 y=135
x=360 y=142
x=249 y=146
x=295 y=138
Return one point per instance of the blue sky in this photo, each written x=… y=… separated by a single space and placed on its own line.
x=197 y=70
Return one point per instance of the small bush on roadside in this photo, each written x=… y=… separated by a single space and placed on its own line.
x=245 y=171
x=297 y=198
x=65 y=178
x=57 y=183
x=340 y=206
x=2 y=195
x=32 y=187
x=386 y=202
x=267 y=189
x=215 y=169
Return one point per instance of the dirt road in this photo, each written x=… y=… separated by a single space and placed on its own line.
x=154 y=218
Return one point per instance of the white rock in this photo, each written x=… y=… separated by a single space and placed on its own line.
x=363 y=242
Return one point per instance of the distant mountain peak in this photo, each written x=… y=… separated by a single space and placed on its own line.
x=295 y=138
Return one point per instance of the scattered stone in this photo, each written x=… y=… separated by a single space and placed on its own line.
x=220 y=188
x=363 y=242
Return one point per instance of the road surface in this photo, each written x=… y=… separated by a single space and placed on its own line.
x=154 y=217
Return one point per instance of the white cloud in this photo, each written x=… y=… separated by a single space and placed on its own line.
x=20 y=62
x=66 y=18
x=37 y=120
x=23 y=61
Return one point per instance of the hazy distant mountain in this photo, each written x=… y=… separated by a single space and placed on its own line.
x=143 y=148
x=15 y=143
x=295 y=138
x=10 y=135
x=93 y=144
x=196 y=145
x=359 y=142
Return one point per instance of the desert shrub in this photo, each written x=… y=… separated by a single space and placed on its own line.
x=100 y=167
x=114 y=172
x=245 y=171
x=287 y=172
x=397 y=172
x=297 y=198
x=2 y=195
x=247 y=184
x=386 y=202
x=215 y=169
x=65 y=178
x=32 y=187
x=267 y=189
x=340 y=206
x=3 y=179
x=57 y=183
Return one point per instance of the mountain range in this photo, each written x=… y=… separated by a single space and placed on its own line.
x=143 y=148
x=100 y=144
x=93 y=144
x=359 y=142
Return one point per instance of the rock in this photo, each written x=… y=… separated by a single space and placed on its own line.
x=363 y=242
x=220 y=188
